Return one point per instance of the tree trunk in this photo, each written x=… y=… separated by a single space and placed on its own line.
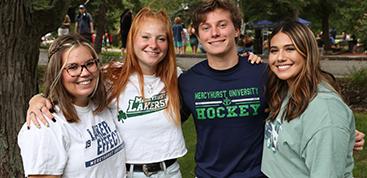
x=100 y=27
x=325 y=7
x=20 y=34
x=325 y=32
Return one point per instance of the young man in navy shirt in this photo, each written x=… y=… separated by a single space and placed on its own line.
x=226 y=96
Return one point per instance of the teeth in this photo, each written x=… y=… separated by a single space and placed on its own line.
x=84 y=82
x=284 y=66
x=216 y=42
x=151 y=52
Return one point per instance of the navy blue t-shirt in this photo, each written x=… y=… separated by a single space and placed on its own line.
x=228 y=108
x=177 y=30
x=84 y=21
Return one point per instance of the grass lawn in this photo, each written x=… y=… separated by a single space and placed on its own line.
x=187 y=163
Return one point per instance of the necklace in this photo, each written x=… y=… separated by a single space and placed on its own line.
x=149 y=87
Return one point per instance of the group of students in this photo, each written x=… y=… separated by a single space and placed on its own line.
x=124 y=120
x=184 y=37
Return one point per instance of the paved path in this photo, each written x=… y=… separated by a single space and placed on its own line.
x=338 y=67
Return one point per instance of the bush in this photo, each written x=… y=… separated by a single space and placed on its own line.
x=107 y=56
x=354 y=89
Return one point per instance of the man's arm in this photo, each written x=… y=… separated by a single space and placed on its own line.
x=76 y=26
x=358 y=146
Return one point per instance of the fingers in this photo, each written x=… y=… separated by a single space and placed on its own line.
x=254 y=58
x=32 y=119
x=46 y=110
x=48 y=104
x=358 y=146
x=36 y=114
x=42 y=118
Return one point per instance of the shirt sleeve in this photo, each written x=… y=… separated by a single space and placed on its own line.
x=44 y=150
x=90 y=17
x=329 y=151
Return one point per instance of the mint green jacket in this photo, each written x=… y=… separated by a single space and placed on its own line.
x=317 y=144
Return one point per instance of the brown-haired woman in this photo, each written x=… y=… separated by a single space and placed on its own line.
x=72 y=147
x=310 y=131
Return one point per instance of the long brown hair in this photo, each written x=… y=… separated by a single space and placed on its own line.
x=304 y=86
x=55 y=90
x=166 y=69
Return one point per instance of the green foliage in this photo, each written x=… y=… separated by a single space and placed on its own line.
x=360 y=157
x=107 y=56
x=352 y=18
x=272 y=10
x=187 y=163
x=359 y=79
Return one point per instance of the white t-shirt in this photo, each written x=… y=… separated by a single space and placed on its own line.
x=92 y=147
x=150 y=134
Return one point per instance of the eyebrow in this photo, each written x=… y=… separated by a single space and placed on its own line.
x=287 y=45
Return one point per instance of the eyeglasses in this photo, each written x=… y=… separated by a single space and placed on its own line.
x=75 y=69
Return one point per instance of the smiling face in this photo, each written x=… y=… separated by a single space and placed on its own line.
x=217 y=33
x=82 y=86
x=284 y=59
x=150 y=45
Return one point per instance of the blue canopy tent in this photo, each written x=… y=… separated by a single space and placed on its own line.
x=303 y=21
x=260 y=24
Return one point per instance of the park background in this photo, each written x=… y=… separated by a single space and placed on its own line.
x=24 y=23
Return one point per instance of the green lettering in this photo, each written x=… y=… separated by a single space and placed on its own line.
x=211 y=113
x=231 y=111
x=255 y=107
x=243 y=110
x=220 y=112
x=200 y=112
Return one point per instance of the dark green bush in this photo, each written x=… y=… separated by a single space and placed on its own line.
x=354 y=89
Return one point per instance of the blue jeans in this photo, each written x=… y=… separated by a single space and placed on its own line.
x=170 y=172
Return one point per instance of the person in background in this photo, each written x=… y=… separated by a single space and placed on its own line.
x=126 y=19
x=310 y=131
x=177 y=35
x=193 y=39
x=248 y=43
x=85 y=141
x=64 y=29
x=143 y=92
x=185 y=39
x=84 y=23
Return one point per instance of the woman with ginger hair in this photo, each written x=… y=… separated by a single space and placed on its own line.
x=144 y=91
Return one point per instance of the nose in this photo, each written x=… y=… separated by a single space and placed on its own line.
x=215 y=32
x=281 y=55
x=153 y=43
x=85 y=71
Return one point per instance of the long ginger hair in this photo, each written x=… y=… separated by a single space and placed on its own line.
x=304 y=86
x=165 y=70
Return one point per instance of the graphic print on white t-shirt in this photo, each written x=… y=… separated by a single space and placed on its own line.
x=139 y=106
x=108 y=142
